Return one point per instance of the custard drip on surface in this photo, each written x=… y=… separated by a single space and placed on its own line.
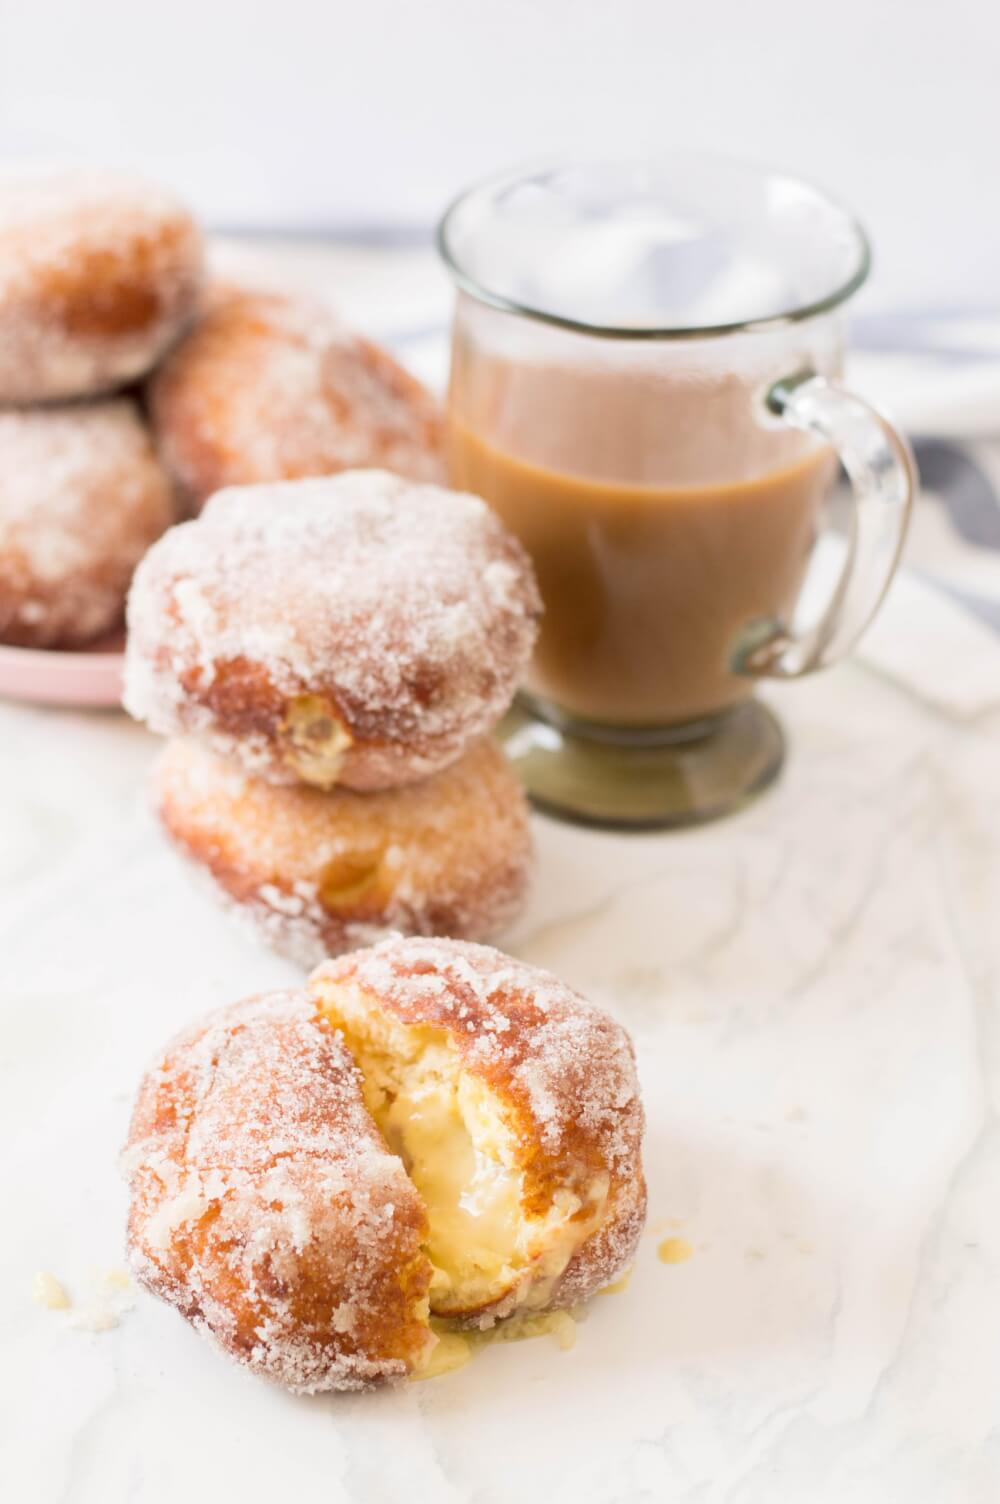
x=674 y=1251
x=454 y=1349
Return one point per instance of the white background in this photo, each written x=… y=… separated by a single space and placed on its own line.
x=333 y=113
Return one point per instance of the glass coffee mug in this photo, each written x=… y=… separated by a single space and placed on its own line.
x=644 y=386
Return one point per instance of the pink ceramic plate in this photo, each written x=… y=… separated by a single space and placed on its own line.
x=48 y=677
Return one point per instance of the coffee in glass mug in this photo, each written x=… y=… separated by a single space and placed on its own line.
x=644 y=385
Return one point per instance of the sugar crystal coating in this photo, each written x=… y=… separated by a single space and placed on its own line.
x=565 y=1068
x=316 y=873
x=396 y=617
x=266 y=1208
x=82 y=496
x=98 y=275
x=271 y=387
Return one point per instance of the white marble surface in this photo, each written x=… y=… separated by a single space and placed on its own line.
x=812 y=990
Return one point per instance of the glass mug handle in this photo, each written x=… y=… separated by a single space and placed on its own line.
x=883 y=478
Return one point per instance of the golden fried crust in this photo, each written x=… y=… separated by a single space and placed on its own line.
x=98 y=276
x=358 y=629
x=82 y=497
x=268 y=387
x=322 y=873
x=265 y=1207
x=564 y=1070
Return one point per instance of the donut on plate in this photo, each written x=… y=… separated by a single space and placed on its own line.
x=359 y=629
x=315 y=874
x=504 y=1173
x=82 y=496
x=98 y=276
x=269 y=387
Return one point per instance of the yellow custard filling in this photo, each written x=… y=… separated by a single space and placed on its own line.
x=349 y=877
x=315 y=740
x=472 y=1196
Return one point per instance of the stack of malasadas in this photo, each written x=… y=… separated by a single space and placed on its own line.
x=330 y=656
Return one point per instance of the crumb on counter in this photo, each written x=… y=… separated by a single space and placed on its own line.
x=109 y=1297
x=48 y=1292
x=95 y=1318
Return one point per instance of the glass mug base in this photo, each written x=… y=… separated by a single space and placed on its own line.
x=644 y=780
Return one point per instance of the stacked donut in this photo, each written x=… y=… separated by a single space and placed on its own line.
x=329 y=656
x=103 y=287
x=271 y=387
